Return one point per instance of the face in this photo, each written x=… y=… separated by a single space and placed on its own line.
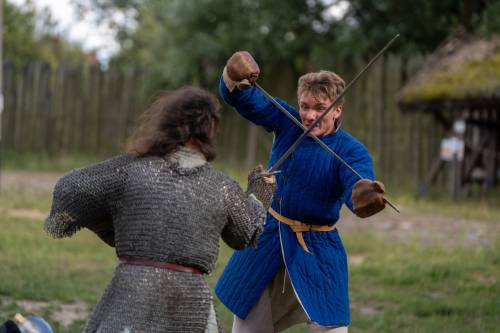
x=311 y=107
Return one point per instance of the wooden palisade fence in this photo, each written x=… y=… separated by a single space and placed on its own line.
x=87 y=110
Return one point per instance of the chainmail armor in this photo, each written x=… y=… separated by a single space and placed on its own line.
x=152 y=208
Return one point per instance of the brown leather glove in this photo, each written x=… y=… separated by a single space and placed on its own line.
x=367 y=197
x=241 y=71
x=261 y=186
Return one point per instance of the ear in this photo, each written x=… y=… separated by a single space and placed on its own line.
x=337 y=112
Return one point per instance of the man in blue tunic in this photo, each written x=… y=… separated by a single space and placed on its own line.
x=298 y=272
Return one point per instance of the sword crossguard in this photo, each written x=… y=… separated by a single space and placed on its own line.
x=269 y=173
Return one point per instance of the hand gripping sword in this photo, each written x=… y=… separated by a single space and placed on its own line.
x=307 y=131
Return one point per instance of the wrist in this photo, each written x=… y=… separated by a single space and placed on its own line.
x=230 y=84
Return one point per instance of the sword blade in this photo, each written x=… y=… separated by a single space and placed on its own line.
x=335 y=103
x=298 y=123
x=307 y=131
x=318 y=140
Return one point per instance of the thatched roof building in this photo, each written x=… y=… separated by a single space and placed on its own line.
x=464 y=73
x=460 y=84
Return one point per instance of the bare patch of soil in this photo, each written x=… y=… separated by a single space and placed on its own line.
x=32 y=214
x=425 y=228
x=63 y=313
x=28 y=181
x=410 y=225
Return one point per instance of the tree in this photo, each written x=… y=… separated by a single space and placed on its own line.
x=19 y=28
x=423 y=25
x=188 y=41
x=30 y=35
x=184 y=42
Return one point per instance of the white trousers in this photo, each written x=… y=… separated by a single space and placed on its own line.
x=212 y=321
x=278 y=309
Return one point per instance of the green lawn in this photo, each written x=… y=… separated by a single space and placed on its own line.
x=396 y=287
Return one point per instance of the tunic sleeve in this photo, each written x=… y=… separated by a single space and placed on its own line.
x=87 y=198
x=245 y=217
x=256 y=107
x=359 y=159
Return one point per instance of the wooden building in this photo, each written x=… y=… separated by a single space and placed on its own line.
x=459 y=86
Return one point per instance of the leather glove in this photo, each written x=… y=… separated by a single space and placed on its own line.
x=241 y=71
x=261 y=186
x=367 y=197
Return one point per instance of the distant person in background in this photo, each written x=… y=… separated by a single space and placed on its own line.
x=164 y=208
x=298 y=271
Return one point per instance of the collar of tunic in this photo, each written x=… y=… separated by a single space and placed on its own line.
x=188 y=158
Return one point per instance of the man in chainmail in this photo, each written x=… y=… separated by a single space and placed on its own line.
x=298 y=271
x=164 y=209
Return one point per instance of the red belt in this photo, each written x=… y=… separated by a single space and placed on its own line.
x=163 y=265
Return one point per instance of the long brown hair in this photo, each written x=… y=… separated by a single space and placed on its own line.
x=174 y=118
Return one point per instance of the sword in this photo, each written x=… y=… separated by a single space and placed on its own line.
x=335 y=103
x=307 y=131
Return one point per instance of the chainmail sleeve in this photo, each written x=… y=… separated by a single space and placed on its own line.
x=88 y=198
x=245 y=217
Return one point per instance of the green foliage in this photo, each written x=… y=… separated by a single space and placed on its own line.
x=188 y=42
x=489 y=19
x=185 y=42
x=19 y=28
x=423 y=25
x=29 y=35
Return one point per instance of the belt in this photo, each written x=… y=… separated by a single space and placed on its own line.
x=299 y=227
x=157 y=264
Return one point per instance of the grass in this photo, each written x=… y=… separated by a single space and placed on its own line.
x=410 y=288
x=398 y=286
x=42 y=162
x=477 y=207
x=38 y=268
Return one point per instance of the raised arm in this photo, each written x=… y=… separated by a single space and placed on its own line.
x=240 y=72
x=88 y=198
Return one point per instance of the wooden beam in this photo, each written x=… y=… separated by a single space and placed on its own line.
x=437 y=165
x=476 y=154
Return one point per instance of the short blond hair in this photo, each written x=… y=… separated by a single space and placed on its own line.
x=321 y=84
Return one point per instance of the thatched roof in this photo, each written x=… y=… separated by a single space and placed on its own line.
x=462 y=73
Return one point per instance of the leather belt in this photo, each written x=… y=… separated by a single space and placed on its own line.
x=163 y=265
x=299 y=227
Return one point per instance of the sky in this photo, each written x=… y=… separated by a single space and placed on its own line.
x=85 y=32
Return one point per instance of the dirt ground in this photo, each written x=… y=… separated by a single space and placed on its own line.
x=63 y=313
x=27 y=181
x=410 y=225
x=424 y=228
